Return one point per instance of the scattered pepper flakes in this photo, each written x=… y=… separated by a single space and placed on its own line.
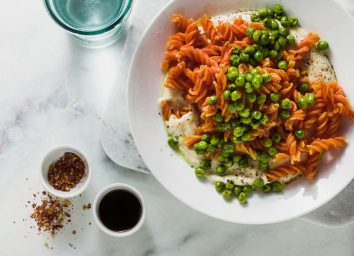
x=88 y=206
x=66 y=172
x=74 y=232
x=51 y=213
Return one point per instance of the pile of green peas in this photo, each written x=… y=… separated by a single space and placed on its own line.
x=242 y=193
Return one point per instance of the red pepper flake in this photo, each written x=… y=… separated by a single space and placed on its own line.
x=66 y=173
x=51 y=213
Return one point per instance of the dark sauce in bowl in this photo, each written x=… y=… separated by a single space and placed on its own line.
x=120 y=210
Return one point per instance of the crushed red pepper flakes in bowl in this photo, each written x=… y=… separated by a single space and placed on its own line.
x=65 y=173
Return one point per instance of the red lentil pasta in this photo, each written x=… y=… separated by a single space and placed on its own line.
x=299 y=117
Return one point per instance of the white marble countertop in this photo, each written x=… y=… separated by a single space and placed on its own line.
x=55 y=92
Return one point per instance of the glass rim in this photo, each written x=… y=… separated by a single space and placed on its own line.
x=120 y=18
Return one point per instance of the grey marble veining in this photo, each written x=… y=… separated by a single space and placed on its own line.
x=55 y=92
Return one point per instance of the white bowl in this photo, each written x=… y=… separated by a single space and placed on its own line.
x=54 y=155
x=105 y=191
x=145 y=79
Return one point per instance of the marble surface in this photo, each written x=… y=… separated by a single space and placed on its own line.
x=55 y=91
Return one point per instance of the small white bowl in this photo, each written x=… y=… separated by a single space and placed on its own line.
x=105 y=191
x=52 y=156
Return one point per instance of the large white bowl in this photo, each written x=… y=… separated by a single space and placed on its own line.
x=325 y=17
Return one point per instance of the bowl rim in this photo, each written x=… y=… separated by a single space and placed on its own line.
x=71 y=193
x=122 y=15
x=133 y=131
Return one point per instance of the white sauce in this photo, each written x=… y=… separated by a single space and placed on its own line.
x=318 y=66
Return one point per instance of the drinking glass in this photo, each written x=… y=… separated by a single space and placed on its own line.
x=93 y=22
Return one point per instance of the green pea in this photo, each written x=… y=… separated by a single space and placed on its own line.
x=272 y=151
x=238 y=131
x=231 y=76
x=236 y=95
x=311 y=98
x=291 y=40
x=173 y=142
x=236 y=158
x=264 y=120
x=218 y=118
x=219 y=186
x=263 y=166
x=234 y=123
x=303 y=88
x=249 y=50
x=227 y=94
x=228 y=147
x=282 y=42
x=232 y=87
x=255 y=124
x=276 y=46
x=200 y=172
x=211 y=148
x=248 y=87
x=267 y=77
x=205 y=137
x=300 y=134
x=229 y=185
x=258 y=183
x=255 y=18
x=255 y=71
x=293 y=21
x=257 y=81
x=225 y=127
x=267 y=142
x=228 y=164
x=275 y=33
x=272 y=40
x=261 y=99
x=242 y=198
x=249 y=77
x=247 y=189
x=244 y=57
x=247 y=136
x=267 y=188
x=302 y=103
x=227 y=194
x=243 y=163
x=263 y=157
x=236 y=51
x=276 y=137
x=283 y=65
x=237 y=190
x=220 y=170
x=262 y=13
x=274 y=24
x=237 y=140
x=232 y=108
x=212 y=100
x=232 y=69
x=257 y=35
x=265 y=52
x=240 y=80
x=256 y=114
x=235 y=61
x=214 y=140
x=239 y=106
x=270 y=12
x=220 y=158
x=277 y=187
x=264 y=40
x=278 y=9
x=322 y=45
x=286 y=104
x=258 y=56
x=273 y=54
x=246 y=120
x=201 y=146
x=285 y=114
x=284 y=32
x=268 y=23
x=285 y=22
x=275 y=97
x=205 y=164
x=245 y=113
x=250 y=31
x=251 y=97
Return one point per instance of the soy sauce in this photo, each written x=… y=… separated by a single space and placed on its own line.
x=120 y=210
